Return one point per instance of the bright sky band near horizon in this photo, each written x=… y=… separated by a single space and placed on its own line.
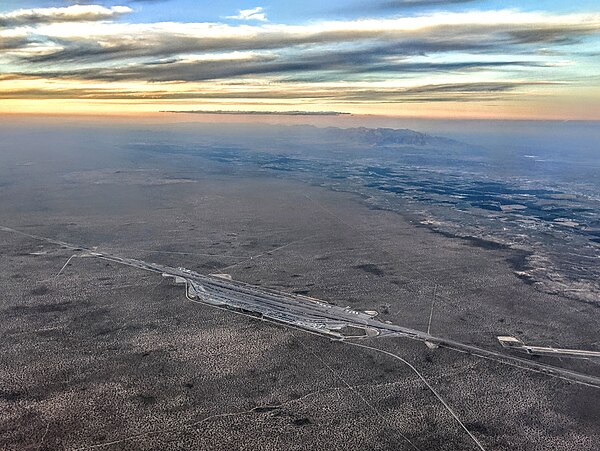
x=488 y=59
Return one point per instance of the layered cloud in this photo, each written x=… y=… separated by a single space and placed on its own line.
x=395 y=5
x=443 y=57
x=74 y=13
x=495 y=32
x=348 y=94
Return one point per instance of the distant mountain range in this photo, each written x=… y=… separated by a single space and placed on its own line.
x=383 y=137
x=307 y=138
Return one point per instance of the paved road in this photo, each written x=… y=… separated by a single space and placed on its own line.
x=309 y=313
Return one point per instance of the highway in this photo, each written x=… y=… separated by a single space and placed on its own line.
x=317 y=316
x=518 y=345
x=311 y=314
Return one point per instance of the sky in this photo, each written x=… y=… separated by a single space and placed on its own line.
x=484 y=59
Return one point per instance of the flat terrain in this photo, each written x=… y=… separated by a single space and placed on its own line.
x=95 y=355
